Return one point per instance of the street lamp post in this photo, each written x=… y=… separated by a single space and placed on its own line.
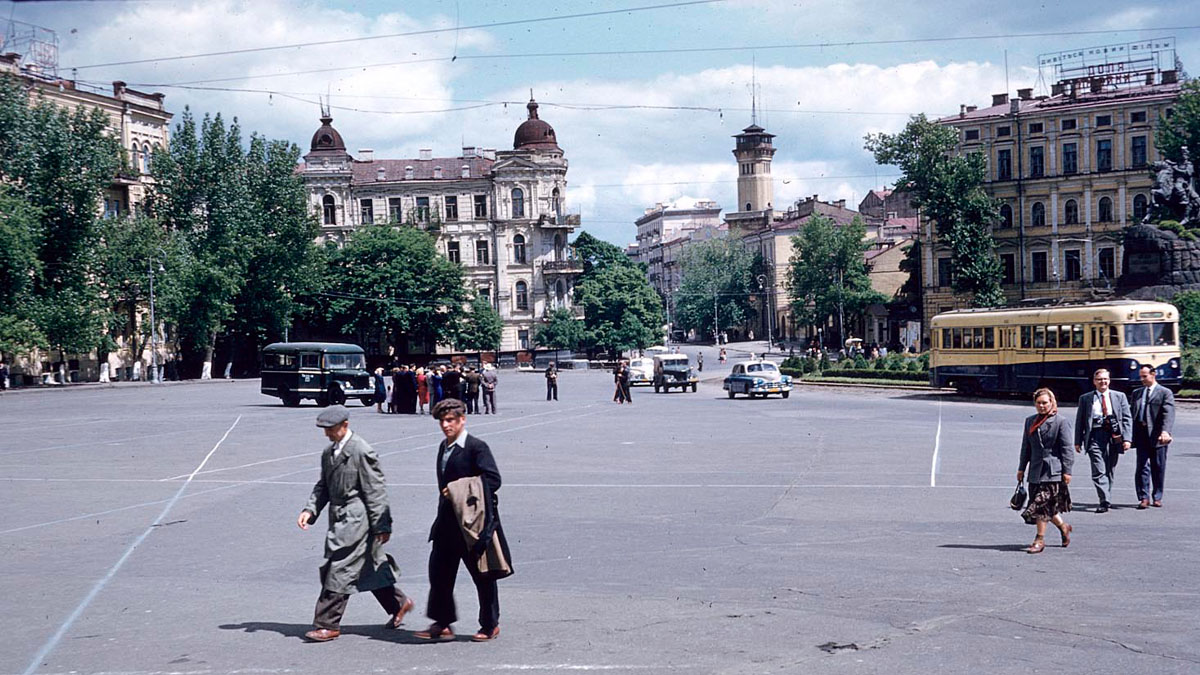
x=768 y=304
x=153 y=325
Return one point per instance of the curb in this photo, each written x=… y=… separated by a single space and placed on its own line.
x=92 y=386
x=902 y=387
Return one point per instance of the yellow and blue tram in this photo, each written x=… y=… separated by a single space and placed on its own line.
x=1023 y=348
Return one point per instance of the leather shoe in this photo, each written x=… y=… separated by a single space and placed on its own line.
x=1066 y=534
x=484 y=636
x=1144 y=504
x=1158 y=503
x=1036 y=547
x=436 y=632
x=1103 y=508
x=398 y=617
x=322 y=635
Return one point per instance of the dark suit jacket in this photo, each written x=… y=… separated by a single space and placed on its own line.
x=1046 y=452
x=1162 y=410
x=450 y=382
x=1083 y=416
x=475 y=459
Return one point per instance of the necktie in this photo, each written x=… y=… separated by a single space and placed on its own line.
x=1146 y=407
x=1103 y=405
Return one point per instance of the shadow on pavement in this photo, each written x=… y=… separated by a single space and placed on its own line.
x=370 y=631
x=988 y=547
x=296 y=630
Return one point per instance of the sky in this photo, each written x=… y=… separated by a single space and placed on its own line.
x=644 y=95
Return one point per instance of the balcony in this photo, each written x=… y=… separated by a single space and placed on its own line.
x=562 y=267
x=563 y=220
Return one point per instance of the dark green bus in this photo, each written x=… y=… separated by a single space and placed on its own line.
x=328 y=372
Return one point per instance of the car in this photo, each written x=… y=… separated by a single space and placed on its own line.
x=673 y=370
x=757 y=378
x=641 y=371
x=328 y=372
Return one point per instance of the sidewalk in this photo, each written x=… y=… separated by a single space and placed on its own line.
x=93 y=386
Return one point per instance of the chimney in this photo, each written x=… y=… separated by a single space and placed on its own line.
x=468 y=152
x=426 y=154
x=972 y=108
x=1170 y=77
x=488 y=153
x=1097 y=85
x=841 y=203
x=999 y=99
x=1057 y=89
x=962 y=110
x=1025 y=94
x=1014 y=106
x=119 y=88
x=366 y=155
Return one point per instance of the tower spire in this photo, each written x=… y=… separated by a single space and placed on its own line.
x=753 y=90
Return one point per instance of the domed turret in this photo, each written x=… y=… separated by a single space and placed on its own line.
x=327 y=138
x=534 y=134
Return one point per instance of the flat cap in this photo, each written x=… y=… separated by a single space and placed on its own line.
x=333 y=416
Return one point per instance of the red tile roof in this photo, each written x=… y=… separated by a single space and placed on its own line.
x=423 y=169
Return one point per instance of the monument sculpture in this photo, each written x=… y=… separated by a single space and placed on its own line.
x=1159 y=262
x=1174 y=194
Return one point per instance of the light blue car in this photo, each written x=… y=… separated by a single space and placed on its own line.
x=757 y=378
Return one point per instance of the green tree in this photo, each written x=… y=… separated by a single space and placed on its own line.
x=621 y=309
x=718 y=284
x=1182 y=128
x=1188 y=304
x=392 y=278
x=948 y=189
x=480 y=329
x=827 y=276
x=561 y=331
x=20 y=267
x=598 y=254
x=129 y=249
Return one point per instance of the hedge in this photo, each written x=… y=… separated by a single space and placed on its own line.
x=868 y=374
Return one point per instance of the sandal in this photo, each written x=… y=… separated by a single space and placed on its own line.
x=1066 y=535
x=1037 y=546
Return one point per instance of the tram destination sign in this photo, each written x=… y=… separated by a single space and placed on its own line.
x=1114 y=65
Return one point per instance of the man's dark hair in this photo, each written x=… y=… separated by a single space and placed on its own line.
x=449 y=406
x=1146 y=365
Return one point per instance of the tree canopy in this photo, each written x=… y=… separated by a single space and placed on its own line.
x=827 y=275
x=718 y=284
x=622 y=310
x=948 y=189
x=561 y=331
x=1182 y=127
x=481 y=328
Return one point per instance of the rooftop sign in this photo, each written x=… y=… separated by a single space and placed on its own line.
x=1113 y=65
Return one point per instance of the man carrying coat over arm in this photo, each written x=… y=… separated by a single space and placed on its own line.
x=461 y=455
x=360 y=523
x=1103 y=427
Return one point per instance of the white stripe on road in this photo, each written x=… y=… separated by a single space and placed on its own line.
x=66 y=625
x=937 y=444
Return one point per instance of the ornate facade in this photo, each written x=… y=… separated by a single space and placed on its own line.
x=501 y=215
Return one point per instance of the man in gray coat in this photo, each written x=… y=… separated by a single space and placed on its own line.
x=1153 y=421
x=360 y=523
x=1104 y=427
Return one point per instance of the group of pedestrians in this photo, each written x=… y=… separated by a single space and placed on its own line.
x=1106 y=425
x=466 y=530
x=413 y=388
x=621 y=376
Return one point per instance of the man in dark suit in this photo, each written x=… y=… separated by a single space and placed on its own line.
x=461 y=455
x=451 y=380
x=1103 y=427
x=1153 y=420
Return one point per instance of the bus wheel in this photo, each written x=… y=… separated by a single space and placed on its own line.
x=336 y=396
x=290 y=399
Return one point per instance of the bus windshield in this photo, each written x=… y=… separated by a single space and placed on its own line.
x=1160 y=334
x=345 y=362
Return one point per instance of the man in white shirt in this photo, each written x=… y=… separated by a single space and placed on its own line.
x=1103 y=427
x=1153 y=421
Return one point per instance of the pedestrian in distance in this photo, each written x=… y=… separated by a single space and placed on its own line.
x=435 y=387
x=381 y=391
x=422 y=390
x=623 y=381
x=472 y=379
x=464 y=461
x=395 y=404
x=487 y=383
x=3 y=375
x=700 y=361
x=1046 y=458
x=450 y=381
x=1103 y=427
x=360 y=523
x=721 y=356
x=1153 y=421
x=618 y=390
x=551 y=382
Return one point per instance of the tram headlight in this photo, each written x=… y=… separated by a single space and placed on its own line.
x=1133 y=365
x=1174 y=364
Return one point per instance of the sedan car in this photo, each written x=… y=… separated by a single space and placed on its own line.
x=641 y=371
x=757 y=378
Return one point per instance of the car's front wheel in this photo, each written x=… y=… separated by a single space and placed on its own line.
x=785 y=394
x=731 y=394
x=336 y=396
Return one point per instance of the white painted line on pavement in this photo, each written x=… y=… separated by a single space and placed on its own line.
x=937 y=444
x=66 y=625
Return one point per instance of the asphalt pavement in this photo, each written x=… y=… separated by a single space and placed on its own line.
x=151 y=529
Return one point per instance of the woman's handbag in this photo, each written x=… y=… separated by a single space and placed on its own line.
x=1018 y=498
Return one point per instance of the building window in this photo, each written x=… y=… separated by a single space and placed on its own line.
x=466 y=171
x=1108 y=266
x=1139 y=208
x=485 y=292
x=519 y=249
x=518 y=203
x=1106 y=214
x=747 y=206
x=328 y=210
x=556 y=202
x=395 y=210
x=146 y=158
x=408 y=173
x=1035 y=128
x=1037 y=162
x=560 y=293
x=1072 y=270
x=480 y=207
x=451 y=208
x=1138 y=152
x=1006 y=219
x=1071 y=212
x=1003 y=131
x=522 y=296
x=1038 y=258
x=422 y=209
x=944 y=277
x=1003 y=164
x=523 y=339
x=367 y=208
x=1104 y=120
x=1138 y=117
x=971 y=135
x=1008 y=268
x=452 y=252
x=1039 y=214
x=1070 y=158
x=1068 y=125
x=481 y=253
x=1104 y=155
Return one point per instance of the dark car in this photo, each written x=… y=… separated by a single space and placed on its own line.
x=328 y=372
x=673 y=370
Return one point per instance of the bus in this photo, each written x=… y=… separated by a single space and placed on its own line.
x=1023 y=348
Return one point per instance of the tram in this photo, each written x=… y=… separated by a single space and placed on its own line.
x=1022 y=348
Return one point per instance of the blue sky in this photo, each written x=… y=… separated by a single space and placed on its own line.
x=820 y=101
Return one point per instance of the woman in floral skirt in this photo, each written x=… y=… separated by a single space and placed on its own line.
x=1046 y=451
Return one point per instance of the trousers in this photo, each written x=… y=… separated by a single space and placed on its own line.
x=1103 y=461
x=1151 y=468
x=448 y=550
x=331 y=606
x=489 y=401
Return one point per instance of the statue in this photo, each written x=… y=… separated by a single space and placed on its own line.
x=1174 y=193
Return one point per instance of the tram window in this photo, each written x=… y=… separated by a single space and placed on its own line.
x=978 y=338
x=945 y=338
x=1149 y=334
x=1114 y=336
x=1026 y=337
x=1164 y=334
x=989 y=338
x=1039 y=337
x=310 y=360
x=957 y=337
x=1076 y=336
x=1052 y=337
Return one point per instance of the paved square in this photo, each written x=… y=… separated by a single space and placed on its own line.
x=686 y=533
